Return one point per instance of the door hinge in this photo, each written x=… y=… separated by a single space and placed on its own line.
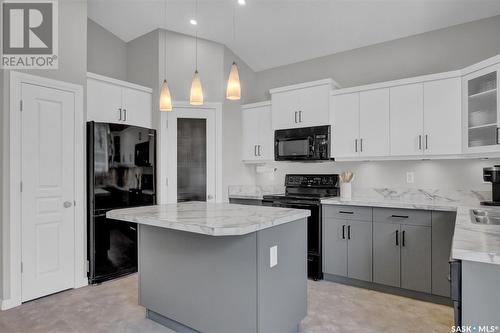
x=21 y=105
x=22 y=267
x=21 y=186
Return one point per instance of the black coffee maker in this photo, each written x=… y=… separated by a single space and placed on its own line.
x=492 y=175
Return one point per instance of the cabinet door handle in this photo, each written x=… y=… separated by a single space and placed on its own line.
x=300 y=116
x=348 y=232
x=343 y=231
x=345 y=212
x=258 y=150
x=426 y=142
x=295 y=116
x=356 y=145
x=124 y=114
x=120 y=110
x=361 y=144
x=400 y=216
x=397 y=237
x=403 y=238
x=420 y=142
x=254 y=150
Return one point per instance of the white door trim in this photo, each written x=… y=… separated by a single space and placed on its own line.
x=163 y=151
x=13 y=225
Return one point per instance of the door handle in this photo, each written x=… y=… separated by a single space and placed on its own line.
x=120 y=110
x=397 y=237
x=348 y=232
x=258 y=150
x=345 y=212
x=300 y=116
x=210 y=197
x=343 y=231
x=124 y=114
x=254 y=150
x=67 y=204
x=426 y=142
x=420 y=142
x=403 y=238
x=361 y=144
x=356 y=145
x=295 y=116
x=400 y=216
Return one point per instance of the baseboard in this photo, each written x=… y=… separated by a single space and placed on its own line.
x=389 y=290
x=7 y=304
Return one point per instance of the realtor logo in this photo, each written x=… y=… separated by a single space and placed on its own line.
x=29 y=34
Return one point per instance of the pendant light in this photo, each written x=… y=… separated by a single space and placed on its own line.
x=165 y=97
x=196 y=95
x=233 y=90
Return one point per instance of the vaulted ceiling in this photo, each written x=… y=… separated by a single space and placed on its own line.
x=271 y=33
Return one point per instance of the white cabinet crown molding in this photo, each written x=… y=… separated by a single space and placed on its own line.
x=480 y=65
x=255 y=105
x=330 y=82
x=401 y=82
x=121 y=83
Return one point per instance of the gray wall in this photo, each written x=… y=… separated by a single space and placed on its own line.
x=72 y=68
x=433 y=52
x=106 y=53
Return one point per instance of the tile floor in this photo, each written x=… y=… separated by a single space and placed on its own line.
x=333 y=308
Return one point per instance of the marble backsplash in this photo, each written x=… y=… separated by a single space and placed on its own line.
x=471 y=197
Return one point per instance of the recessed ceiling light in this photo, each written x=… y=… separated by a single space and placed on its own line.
x=242 y=2
x=193 y=22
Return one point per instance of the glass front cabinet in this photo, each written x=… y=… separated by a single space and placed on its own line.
x=482 y=112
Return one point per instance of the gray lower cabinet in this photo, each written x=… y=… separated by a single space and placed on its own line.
x=386 y=254
x=402 y=242
x=443 y=225
x=347 y=247
x=416 y=258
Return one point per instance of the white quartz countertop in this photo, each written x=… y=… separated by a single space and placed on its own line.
x=214 y=219
x=471 y=241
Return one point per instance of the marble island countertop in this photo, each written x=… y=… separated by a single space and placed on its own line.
x=471 y=241
x=214 y=219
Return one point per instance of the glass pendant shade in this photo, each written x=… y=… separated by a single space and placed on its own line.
x=196 y=96
x=233 y=91
x=165 y=97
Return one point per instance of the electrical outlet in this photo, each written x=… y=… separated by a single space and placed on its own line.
x=410 y=177
x=273 y=256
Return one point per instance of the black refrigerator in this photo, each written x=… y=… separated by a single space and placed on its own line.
x=121 y=173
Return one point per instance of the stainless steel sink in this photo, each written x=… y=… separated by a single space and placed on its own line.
x=485 y=216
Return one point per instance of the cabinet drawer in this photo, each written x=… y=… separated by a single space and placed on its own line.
x=348 y=212
x=402 y=216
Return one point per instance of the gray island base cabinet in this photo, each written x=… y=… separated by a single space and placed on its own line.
x=224 y=284
x=220 y=267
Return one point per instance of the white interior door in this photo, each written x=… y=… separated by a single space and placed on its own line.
x=47 y=210
x=191 y=159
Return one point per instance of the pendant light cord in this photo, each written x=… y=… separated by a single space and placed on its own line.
x=165 y=36
x=234 y=22
x=196 y=35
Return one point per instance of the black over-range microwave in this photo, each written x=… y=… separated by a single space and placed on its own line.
x=302 y=144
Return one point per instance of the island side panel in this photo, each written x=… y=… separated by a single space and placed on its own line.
x=205 y=282
x=282 y=289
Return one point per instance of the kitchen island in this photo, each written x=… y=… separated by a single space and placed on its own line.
x=218 y=267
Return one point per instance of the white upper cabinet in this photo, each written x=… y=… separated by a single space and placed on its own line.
x=258 y=138
x=137 y=108
x=114 y=101
x=481 y=100
x=407 y=119
x=345 y=125
x=301 y=105
x=374 y=135
x=442 y=117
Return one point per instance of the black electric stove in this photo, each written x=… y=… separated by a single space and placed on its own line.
x=306 y=192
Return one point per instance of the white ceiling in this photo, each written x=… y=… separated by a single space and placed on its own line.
x=272 y=33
